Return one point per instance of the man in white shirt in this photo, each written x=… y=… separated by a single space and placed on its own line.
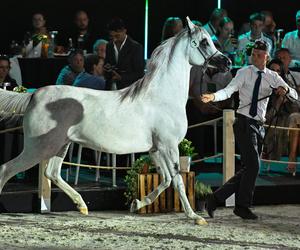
x=254 y=83
x=291 y=41
x=255 y=33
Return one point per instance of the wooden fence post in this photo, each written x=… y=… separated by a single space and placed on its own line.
x=228 y=150
x=44 y=188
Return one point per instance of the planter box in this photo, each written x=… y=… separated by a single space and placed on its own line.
x=184 y=164
x=168 y=201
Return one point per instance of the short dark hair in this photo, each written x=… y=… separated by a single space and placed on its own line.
x=282 y=50
x=89 y=61
x=73 y=53
x=4 y=58
x=258 y=16
x=116 y=24
x=217 y=13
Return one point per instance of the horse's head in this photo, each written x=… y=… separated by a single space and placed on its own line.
x=203 y=51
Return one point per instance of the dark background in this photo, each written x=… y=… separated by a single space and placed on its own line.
x=16 y=15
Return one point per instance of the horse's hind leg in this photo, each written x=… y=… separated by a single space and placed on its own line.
x=19 y=164
x=53 y=172
x=162 y=169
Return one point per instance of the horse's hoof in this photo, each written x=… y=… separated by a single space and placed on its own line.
x=201 y=221
x=134 y=206
x=84 y=210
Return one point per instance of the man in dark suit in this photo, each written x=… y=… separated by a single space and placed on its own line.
x=124 y=62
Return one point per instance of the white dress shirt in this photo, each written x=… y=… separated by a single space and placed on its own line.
x=244 y=83
x=291 y=41
x=116 y=49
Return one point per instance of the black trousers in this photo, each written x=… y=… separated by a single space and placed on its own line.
x=249 y=135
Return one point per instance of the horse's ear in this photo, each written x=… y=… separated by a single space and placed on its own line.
x=191 y=26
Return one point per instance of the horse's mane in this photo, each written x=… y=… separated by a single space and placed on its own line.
x=158 y=61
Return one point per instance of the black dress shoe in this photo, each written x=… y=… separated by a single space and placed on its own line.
x=211 y=205
x=245 y=213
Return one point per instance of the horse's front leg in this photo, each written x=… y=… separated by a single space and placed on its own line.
x=162 y=169
x=173 y=166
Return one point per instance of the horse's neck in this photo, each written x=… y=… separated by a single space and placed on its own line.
x=173 y=80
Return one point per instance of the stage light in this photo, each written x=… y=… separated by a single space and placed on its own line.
x=146 y=31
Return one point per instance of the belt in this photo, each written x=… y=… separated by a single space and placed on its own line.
x=250 y=120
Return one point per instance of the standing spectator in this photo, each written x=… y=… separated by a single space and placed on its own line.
x=291 y=41
x=33 y=39
x=214 y=20
x=69 y=73
x=255 y=33
x=252 y=82
x=93 y=76
x=81 y=37
x=124 y=62
x=172 y=26
x=99 y=48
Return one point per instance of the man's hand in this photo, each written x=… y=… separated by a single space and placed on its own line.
x=281 y=91
x=207 y=98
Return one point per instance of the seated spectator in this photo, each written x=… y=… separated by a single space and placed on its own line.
x=211 y=81
x=291 y=41
x=99 y=48
x=93 y=76
x=292 y=77
x=69 y=73
x=276 y=140
x=213 y=24
x=171 y=27
x=224 y=38
x=6 y=82
x=124 y=62
x=255 y=33
x=33 y=39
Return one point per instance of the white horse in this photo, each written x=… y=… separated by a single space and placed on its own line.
x=149 y=115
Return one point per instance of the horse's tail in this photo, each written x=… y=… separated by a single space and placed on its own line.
x=13 y=105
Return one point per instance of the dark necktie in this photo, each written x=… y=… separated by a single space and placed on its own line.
x=253 y=107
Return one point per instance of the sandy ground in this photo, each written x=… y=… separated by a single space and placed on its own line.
x=278 y=227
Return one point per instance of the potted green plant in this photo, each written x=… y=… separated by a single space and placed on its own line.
x=186 y=152
x=142 y=165
x=202 y=191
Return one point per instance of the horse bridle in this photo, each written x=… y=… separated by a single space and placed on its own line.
x=205 y=64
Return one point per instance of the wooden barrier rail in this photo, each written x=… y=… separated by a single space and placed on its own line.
x=168 y=201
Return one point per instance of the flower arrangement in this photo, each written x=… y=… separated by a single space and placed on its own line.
x=20 y=89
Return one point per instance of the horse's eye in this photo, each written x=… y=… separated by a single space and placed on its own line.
x=204 y=43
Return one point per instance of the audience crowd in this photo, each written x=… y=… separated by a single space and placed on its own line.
x=96 y=63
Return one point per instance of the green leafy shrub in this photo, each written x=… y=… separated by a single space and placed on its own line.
x=186 y=149
x=202 y=190
x=131 y=179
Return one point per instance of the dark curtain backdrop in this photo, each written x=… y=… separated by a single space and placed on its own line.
x=16 y=15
